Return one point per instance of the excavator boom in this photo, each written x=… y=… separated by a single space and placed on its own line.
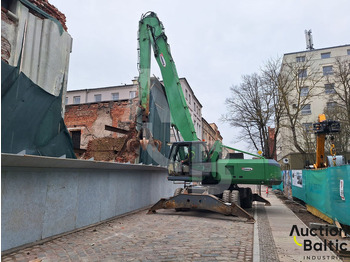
x=151 y=34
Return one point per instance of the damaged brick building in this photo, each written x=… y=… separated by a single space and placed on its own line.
x=86 y=123
x=101 y=129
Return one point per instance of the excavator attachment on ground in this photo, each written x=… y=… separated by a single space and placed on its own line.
x=199 y=198
x=212 y=203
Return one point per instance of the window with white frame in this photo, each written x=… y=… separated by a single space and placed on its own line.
x=327 y=70
x=329 y=88
x=115 y=96
x=331 y=105
x=306 y=110
x=66 y=101
x=325 y=55
x=300 y=59
x=304 y=91
x=76 y=99
x=132 y=94
x=98 y=97
x=302 y=73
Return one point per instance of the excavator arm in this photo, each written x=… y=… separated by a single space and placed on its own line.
x=151 y=34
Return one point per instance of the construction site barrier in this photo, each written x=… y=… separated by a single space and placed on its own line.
x=323 y=190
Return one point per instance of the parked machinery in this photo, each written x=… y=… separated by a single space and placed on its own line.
x=211 y=176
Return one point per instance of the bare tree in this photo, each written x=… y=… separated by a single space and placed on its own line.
x=339 y=104
x=270 y=75
x=251 y=108
x=281 y=96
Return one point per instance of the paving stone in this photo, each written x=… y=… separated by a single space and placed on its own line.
x=165 y=236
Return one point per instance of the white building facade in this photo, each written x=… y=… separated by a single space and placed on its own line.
x=314 y=82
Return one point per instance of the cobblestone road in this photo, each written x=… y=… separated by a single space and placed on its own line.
x=165 y=236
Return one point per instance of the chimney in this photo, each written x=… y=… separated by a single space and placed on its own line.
x=135 y=81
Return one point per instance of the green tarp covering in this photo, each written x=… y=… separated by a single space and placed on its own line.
x=31 y=118
x=278 y=187
x=328 y=190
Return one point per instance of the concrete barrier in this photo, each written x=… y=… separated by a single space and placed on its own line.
x=42 y=196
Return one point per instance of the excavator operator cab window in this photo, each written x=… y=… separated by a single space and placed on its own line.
x=199 y=153
x=179 y=160
x=186 y=159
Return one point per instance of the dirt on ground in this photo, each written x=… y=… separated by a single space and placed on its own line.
x=299 y=209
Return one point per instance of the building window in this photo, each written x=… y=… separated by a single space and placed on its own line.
x=66 y=101
x=325 y=55
x=327 y=70
x=76 y=137
x=132 y=94
x=331 y=105
x=186 y=94
x=308 y=127
x=300 y=58
x=189 y=98
x=302 y=73
x=304 y=91
x=348 y=51
x=194 y=107
x=115 y=96
x=98 y=98
x=329 y=88
x=76 y=99
x=306 y=110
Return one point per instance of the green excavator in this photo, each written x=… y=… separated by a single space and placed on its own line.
x=211 y=177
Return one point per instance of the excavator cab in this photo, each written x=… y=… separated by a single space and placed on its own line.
x=188 y=161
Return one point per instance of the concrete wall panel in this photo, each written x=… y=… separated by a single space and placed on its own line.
x=43 y=197
x=22 y=206
x=61 y=194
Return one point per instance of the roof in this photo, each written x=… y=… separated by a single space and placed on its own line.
x=99 y=88
x=313 y=50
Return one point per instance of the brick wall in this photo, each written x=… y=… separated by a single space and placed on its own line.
x=91 y=119
x=51 y=10
x=5 y=44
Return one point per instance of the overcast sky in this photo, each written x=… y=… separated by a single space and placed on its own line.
x=213 y=43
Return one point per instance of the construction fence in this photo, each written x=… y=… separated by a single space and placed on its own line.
x=327 y=190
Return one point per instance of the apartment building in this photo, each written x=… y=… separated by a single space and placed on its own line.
x=312 y=88
x=210 y=133
x=102 y=94
x=194 y=106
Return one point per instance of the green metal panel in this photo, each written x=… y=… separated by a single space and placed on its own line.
x=248 y=171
